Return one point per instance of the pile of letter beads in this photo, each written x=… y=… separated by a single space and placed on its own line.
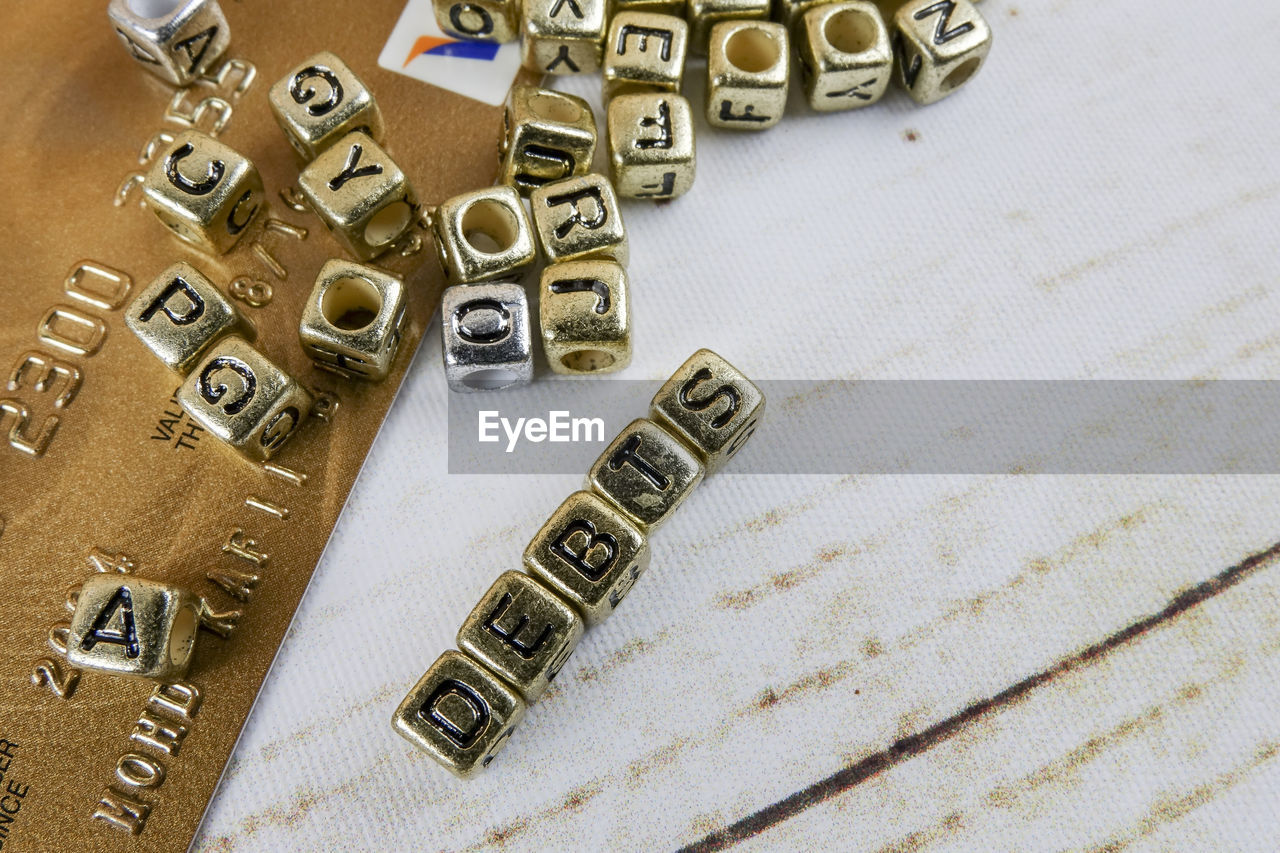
x=578 y=566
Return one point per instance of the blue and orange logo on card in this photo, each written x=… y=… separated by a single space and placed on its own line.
x=436 y=46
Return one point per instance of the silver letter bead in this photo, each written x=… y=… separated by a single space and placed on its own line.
x=176 y=41
x=486 y=342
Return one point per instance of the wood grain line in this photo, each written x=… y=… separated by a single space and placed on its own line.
x=912 y=745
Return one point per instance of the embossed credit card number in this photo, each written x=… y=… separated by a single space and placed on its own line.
x=100 y=469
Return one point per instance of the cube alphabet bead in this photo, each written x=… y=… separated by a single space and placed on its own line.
x=940 y=46
x=486 y=339
x=702 y=15
x=204 y=191
x=129 y=626
x=180 y=314
x=585 y=313
x=563 y=36
x=710 y=405
x=651 y=145
x=590 y=553
x=242 y=398
x=653 y=7
x=579 y=218
x=748 y=67
x=483 y=235
x=846 y=57
x=479 y=20
x=646 y=472
x=360 y=194
x=547 y=136
x=522 y=632
x=176 y=41
x=644 y=52
x=321 y=101
x=353 y=320
x=460 y=714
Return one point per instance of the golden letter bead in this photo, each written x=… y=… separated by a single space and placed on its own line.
x=360 y=194
x=651 y=145
x=523 y=632
x=846 y=58
x=180 y=314
x=747 y=71
x=203 y=191
x=243 y=399
x=130 y=626
x=563 y=36
x=644 y=53
x=711 y=406
x=652 y=7
x=176 y=41
x=940 y=44
x=321 y=101
x=460 y=714
x=590 y=553
x=646 y=472
x=585 y=315
x=702 y=15
x=352 y=323
x=579 y=218
x=479 y=20
x=485 y=337
x=548 y=136
x=483 y=235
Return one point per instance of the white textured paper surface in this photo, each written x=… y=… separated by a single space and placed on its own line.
x=1102 y=201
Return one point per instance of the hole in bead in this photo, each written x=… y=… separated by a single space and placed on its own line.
x=351 y=303
x=587 y=360
x=961 y=73
x=388 y=223
x=153 y=8
x=554 y=108
x=183 y=635
x=491 y=379
x=851 y=31
x=752 y=50
x=489 y=226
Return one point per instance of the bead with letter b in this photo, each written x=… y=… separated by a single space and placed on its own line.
x=563 y=36
x=748 y=68
x=711 y=405
x=460 y=714
x=360 y=194
x=479 y=20
x=483 y=235
x=204 y=191
x=353 y=321
x=579 y=218
x=129 y=626
x=523 y=632
x=242 y=398
x=585 y=313
x=590 y=553
x=180 y=314
x=487 y=342
x=547 y=136
x=940 y=46
x=321 y=101
x=176 y=41
x=651 y=145
x=646 y=472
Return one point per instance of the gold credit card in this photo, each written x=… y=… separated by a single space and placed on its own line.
x=100 y=470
